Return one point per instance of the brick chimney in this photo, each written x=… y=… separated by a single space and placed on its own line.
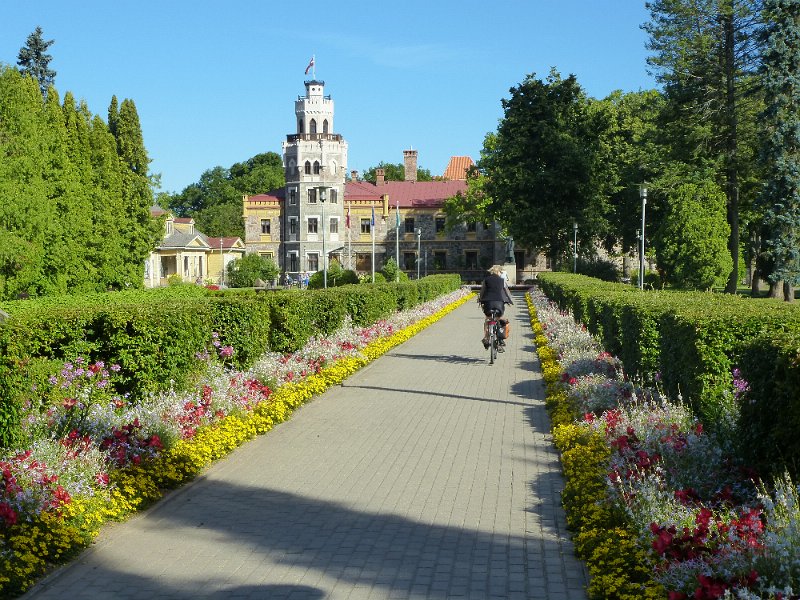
x=410 y=164
x=353 y=175
x=380 y=176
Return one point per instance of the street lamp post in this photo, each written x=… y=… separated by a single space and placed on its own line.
x=643 y=196
x=574 y=247
x=419 y=256
x=324 y=253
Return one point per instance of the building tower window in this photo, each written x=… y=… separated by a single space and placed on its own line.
x=292 y=196
x=312 y=225
x=308 y=167
x=312 y=126
x=316 y=167
x=333 y=195
x=409 y=225
x=265 y=229
x=312 y=195
x=325 y=126
x=300 y=126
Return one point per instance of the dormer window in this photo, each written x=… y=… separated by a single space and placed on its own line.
x=169 y=227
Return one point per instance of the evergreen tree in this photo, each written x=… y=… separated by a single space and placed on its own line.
x=140 y=233
x=34 y=60
x=705 y=56
x=781 y=153
x=25 y=210
x=690 y=243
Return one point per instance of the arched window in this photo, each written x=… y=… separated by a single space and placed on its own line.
x=316 y=167
x=312 y=126
x=308 y=167
x=300 y=126
x=325 y=126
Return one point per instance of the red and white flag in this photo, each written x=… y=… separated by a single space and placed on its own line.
x=310 y=65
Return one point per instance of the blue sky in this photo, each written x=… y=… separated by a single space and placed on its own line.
x=215 y=82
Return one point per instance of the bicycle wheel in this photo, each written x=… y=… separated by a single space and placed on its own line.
x=492 y=345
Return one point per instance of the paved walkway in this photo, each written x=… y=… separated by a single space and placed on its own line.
x=428 y=474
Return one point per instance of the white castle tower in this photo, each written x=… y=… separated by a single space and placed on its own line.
x=315 y=161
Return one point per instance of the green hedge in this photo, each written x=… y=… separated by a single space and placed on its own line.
x=771 y=409
x=694 y=340
x=155 y=335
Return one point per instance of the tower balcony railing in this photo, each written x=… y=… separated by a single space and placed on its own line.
x=314 y=137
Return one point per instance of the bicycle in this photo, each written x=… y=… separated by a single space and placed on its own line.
x=493 y=329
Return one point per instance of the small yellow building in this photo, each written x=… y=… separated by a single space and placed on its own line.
x=188 y=255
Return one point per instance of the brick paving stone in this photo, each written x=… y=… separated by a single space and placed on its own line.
x=427 y=474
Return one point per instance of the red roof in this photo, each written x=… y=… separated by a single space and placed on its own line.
x=271 y=196
x=227 y=242
x=457 y=167
x=186 y=220
x=408 y=194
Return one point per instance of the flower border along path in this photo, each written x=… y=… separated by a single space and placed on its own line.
x=617 y=566
x=53 y=536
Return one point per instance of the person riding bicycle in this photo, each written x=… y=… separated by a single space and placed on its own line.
x=494 y=294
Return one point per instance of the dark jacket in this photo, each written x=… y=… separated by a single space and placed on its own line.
x=494 y=289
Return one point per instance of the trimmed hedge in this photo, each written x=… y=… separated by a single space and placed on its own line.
x=155 y=335
x=771 y=407
x=694 y=340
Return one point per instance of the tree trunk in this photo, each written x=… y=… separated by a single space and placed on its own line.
x=788 y=292
x=776 y=289
x=755 y=285
x=731 y=167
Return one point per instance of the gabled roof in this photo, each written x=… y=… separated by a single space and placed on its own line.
x=228 y=243
x=457 y=167
x=408 y=194
x=180 y=239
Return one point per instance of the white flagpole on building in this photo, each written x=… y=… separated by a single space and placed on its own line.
x=349 y=237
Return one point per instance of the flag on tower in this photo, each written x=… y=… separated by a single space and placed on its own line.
x=372 y=222
x=310 y=65
x=348 y=216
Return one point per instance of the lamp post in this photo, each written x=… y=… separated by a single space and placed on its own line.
x=419 y=256
x=324 y=253
x=643 y=196
x=574 y=247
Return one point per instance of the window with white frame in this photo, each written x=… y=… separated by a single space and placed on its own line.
x=313 y=224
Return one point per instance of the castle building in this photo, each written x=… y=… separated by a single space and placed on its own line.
x=322 y=215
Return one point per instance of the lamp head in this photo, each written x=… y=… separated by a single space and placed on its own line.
x=322 y=194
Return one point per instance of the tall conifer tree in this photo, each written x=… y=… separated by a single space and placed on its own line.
x=34 y=60
x=705 y=56
x=781 y=195
x=141 y=231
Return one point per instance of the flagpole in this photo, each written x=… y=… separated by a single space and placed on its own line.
x=314 y=67
x=397 y=240
x=372 y=229
x=349 y=237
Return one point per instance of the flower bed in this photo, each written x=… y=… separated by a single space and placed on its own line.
x=659 y=507
x=94 y=457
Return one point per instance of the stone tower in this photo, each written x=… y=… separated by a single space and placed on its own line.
x=315 y=160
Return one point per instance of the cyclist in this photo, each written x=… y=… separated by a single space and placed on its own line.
x=494 y=295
